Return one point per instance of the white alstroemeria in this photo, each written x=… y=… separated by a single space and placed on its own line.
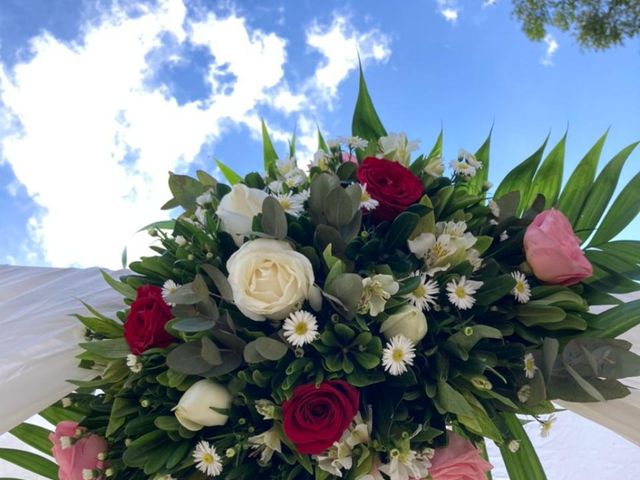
x=522 y=290
x=356 y=142
x=286 y=165
x=530 y=365
x=504 y=236
x=425 y=294
x=266 y=409
x=434 y=167
x=267 y=443
x=321 y=160
x=376 y=291
x=473 y=257
x=366 y=201
x=168 y=288
x=461 y=292
x=545 y=426
x=463 y=168
x=396 y=147
x=470 y=158
x=291 y=203
x=276 y=186
x=134 y=365
x=180 y=240
x=495 y=209
x=335 y=459
x=201 y=215
x=300 y=328
x=406 y=466
x=207 y=460
x=359 y=431
x=434 y=251
x=204 y=199
x=457 y=232
x=295 y=178
x=398 y=353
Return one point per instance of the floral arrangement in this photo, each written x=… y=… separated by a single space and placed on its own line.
x=369 y=318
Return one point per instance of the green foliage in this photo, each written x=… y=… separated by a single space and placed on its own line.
x=524 y=464
x=30 y=461
x=548 y=178
x=366 y=123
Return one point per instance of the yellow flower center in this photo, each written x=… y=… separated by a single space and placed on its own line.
x=419 y=292
x=285 y=203
x=438 y=250
x=208 y=459
x=520 y=287
x=398 y=355
x=301 y=328
x=460 y=292
x=365 y=197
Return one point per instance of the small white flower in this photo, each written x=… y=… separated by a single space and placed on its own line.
x=287 y=165
x=398 y=353
x=65 y=442
x=513 y=446
x=305 y=194
x=470 y=158
x=87 y=474
x=66 y=402
x=545 y=426
x=425 y=294
x=473 y=257
x=406 y=465
x=495 y=209
x=204 y=199
x=335 y=142
x=396 y=147
x=201 y=215
x=295 y=178
x=522 y=290
x=376 y=291
x=266 y=409
x=134 y=365
x=460 y=293
x=300 y=328
x=524 y=393
x=321 y=160
x=168 y=288
x=357 y=142
x=207 y=459
x=366 y=201
x=335 y=458
x=504 y=236
x=529 y=365
x=277 y=186
x=180 y=240
x=463 y=168
x=293 y=204
x=435 y=166
x=493 y=221
x=266 y=443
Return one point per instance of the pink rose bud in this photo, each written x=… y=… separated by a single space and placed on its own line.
x=81 y=454
x=553 y=250
x=459 y=460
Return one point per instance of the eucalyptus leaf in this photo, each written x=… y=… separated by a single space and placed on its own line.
x=274 y=220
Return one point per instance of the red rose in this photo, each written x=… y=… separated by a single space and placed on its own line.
x=392 y=185
x=315 y=417
x=144 y=328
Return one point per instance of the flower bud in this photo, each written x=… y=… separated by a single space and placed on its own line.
x=195 y=409
x=409 y=321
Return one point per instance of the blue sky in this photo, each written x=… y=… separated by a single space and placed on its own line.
x=99 y=101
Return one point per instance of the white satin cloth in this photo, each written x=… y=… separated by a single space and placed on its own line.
x=38 y=345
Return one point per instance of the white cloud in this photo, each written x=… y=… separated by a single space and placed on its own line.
x=449 y=10
x=552 y=47
x=339 y=43
x=91 y=139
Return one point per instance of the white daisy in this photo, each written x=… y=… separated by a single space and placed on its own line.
x=207 y=459
x=291 y=203
x=495 y=209
x=357 y=142
x=460 y=293
x=180 y=240
x=300 y=328
x=463 y=168
x=545 y=426
x=425 y=293
x=470 y=158
x=399 y=352
x=305 y=194
x=522 y=290
x=168 y=288
x=366 y=201
x=529 y=365
x=376 y=291
x=134 y=365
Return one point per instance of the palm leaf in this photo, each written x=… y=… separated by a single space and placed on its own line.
x=624 y=209
x=477 y=182
x=548 y=178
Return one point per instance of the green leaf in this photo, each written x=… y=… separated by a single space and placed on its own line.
x=475 y=184
x=220 y=281
x=600 y=194
x=577 y=188
x=347 y=288
x=231 y=176
x=264 y=348
x=139 y=450
x=107 y=328
x=34 y=436
x=366 y=123
x=400 y=230
x=494 y=288
x=584 y=384
x=111 y=348
x=524 y=464
x=55 y=414
x=338 y=207
x=185 y=190
x=30 y=461
x=615 y=321
x=206 y=179
x=270 y=155
x=452 y=401
x=192 y=324
x=210 y=352
x=322 y=145
x=519 y=179
x=187 y=358
x=422 y=161
x=274 y=220
x=624 y=209
x=548 y=178
x=122 y=288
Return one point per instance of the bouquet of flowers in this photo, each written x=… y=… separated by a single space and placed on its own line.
x=367 y=318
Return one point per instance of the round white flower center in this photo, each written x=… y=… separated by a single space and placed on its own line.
x=397 y=355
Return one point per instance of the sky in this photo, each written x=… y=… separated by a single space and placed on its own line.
x=99 y=100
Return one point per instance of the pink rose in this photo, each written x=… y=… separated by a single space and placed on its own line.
x=75 y=455
x=553 y=250
x=459 y=460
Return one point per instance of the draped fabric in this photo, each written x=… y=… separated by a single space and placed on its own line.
x=38 y=345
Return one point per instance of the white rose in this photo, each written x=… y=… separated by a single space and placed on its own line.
x=194 y=408
x=409 y=321
x=269 y=279
x=237 y=209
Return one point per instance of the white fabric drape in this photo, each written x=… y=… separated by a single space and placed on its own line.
x=39 y=337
